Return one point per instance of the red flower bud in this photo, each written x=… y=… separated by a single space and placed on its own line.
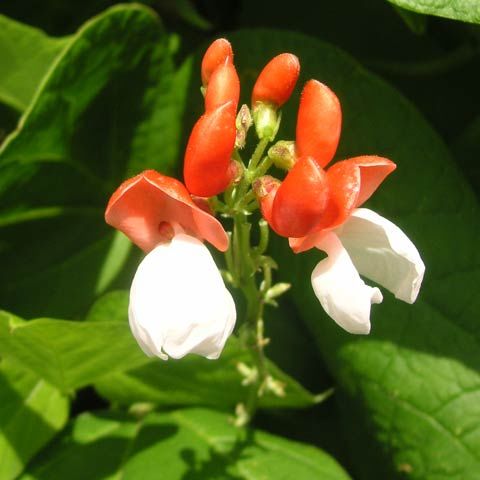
x=216 y=54
x=208 y=168
x=277 y=80
x=319 y=123
x=223 y=86
x=147 y=207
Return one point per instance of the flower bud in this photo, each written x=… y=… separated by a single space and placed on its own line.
x=223 y=87
x=319 y=123
x=216 y=54
x=277 y=80
x=207 y=166
x=283 y=154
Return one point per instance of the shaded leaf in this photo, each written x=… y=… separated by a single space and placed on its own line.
x=31 y=413
x=191 y=444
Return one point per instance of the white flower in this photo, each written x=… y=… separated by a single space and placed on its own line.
x=179 y=303
x=377 y=249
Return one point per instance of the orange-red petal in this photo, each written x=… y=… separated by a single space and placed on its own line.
x=319 y=123
x=277 y=80
x=142 y=204
x=216 y=54
x=207 y=166
x=301 y=202
x=373 y=171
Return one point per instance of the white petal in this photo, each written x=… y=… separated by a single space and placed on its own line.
x=383 y=253
x=340 y=290
x=179 y=303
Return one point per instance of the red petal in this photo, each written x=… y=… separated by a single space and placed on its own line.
x=319 y=123
x=373 y=171
x=215 y=55
x=224 y=86
x=140 y=205
x=207 y=166
x=300 y=204
x=344 y=185
x=277 y=80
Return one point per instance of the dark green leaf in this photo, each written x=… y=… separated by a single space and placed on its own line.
x=412 y=388
x=191 y=444
x=193 y=380
x=102 y=114
x=31 y=413
x=69 y=354
x=27 y=55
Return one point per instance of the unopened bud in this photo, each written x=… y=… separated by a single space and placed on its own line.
x=283 y=154
x=243 y=122
x=249 y=374
x=267 y=120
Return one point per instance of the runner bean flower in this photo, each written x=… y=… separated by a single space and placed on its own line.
x=178 y=301
x=319 y=209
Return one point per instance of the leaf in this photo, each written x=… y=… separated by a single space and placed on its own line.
x=69 y=354
x=27 y=55
x=409 y=392
x=464 y=10
x=186 y=444
x=104 y=112
x=193 y=380
x=31 y=413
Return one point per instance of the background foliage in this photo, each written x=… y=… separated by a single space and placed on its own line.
x=93 y=93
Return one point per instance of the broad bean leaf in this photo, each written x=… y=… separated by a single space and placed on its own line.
x=192 y=380
x=27 y=55
x=31 y=413
x=103 y=113
x=409 y=392
x=69 y=354
x=464 y=10
x=185 y=444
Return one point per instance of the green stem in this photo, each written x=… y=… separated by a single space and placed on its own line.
x=257 y=154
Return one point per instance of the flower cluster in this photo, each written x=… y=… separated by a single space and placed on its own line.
x=178 y=301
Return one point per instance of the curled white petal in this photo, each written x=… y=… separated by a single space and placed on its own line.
x=382 y=252
x=179 y=303
x=340 y=290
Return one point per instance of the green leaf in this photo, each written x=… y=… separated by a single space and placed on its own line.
x=193 y=380
x=31 y=413
x=409 y=392
x=185 y=444
x=69 y=354
x=464 y=10
x=27 y=55
x=103 y=113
